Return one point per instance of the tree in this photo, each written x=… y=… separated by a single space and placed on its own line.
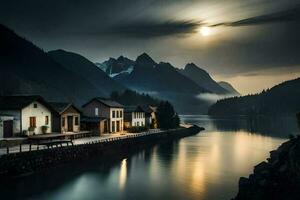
x=167 y=118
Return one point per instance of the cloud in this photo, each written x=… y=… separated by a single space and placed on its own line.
x=212 y=98
x=148 y=28
x=289 y=15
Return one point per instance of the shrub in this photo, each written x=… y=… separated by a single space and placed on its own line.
x=44 y=129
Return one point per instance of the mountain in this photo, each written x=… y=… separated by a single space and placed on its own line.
x=114 y=67
x=227 y=86
x=87 y=70
x=202 y=78
x=26 y=69
x=163 y=81
x=282 y=99
x=148 y=76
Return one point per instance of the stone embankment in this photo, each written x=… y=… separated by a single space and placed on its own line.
x=15 y=164
x=278 y=178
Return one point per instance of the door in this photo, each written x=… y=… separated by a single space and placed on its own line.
x=70 y=123
x=118 y=126
x=8 y=128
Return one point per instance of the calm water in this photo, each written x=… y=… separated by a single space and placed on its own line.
x=204 y=166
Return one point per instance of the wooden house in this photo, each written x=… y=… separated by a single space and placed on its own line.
x=104 y=115
x=65 y=118
x=25 y=115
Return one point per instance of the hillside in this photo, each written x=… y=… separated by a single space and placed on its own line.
x=26 y=69
x=87 y=70
x=281 y=99
x=229 y=88
x=202 y=78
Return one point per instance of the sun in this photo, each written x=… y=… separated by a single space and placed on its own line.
x=205 y=31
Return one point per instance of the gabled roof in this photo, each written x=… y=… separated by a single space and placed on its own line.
x=20 y=102
x=106 y=102
x=129 y=109
x=60 y=107
x=147 y=109
x=92 y=119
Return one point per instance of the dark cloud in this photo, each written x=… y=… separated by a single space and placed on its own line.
x=148 y=29
x=289 y=15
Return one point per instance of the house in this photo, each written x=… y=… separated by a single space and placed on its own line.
x=148 y=115
x=25 y=115
x=65 y=118
x=134 y=116
x=154 y=123
x=103 y=114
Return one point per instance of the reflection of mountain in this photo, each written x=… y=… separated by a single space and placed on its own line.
x=273 y=126
x=281 y=99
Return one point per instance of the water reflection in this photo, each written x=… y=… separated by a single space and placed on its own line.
x=204 y=166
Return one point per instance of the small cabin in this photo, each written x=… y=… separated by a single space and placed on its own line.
x=65 y=118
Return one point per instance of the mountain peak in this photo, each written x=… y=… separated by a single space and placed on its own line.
x=145 y=59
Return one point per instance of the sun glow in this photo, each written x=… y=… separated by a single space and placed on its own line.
x=205 y=31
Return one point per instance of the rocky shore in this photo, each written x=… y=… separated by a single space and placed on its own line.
x=278 y=178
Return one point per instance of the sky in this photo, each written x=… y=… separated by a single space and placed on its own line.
x=252 y=44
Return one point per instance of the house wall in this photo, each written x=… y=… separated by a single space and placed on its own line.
x=89 y=110
x=40 y=113
x=138 y=119
x=16 y=114
x=116 y=119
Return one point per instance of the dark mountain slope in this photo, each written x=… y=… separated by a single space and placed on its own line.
x=229 y=88
x=86 y=70
x=202 y=78
x=281 y=99
x=26 y=69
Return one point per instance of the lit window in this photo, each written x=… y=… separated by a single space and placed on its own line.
x=96 y=111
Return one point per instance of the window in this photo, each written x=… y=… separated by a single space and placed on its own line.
x=76 y=121
x=63 y=122
x=118 y=114
x=46 y=120
x=113 y=114
x=35 y=105
x=138 y=123
x=32 y=121
x=121 y=113
x=96 y=111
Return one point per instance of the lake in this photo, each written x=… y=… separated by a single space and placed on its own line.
x=206 y=166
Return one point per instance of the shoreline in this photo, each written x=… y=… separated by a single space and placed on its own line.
x=18 y=164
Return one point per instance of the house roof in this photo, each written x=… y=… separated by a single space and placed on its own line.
x=60 y=107
x=92 y=119
x=19 y=102
x=129 y=109
x=147 y=109
x=107 y=102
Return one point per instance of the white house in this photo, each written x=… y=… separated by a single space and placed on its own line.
x=134 y=116
x=108 y=115
x=29 y=115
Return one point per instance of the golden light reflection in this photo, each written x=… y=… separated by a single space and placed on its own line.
x=123 y=174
